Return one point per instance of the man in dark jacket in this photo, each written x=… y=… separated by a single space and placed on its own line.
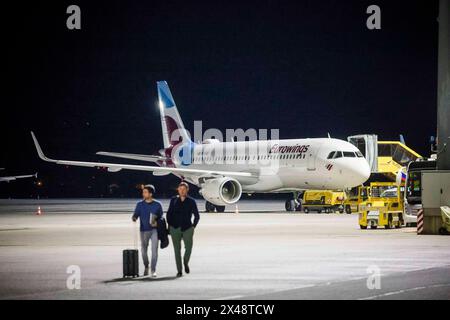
x=179 y=218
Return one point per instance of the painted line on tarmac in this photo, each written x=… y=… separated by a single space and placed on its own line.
x=271 y=292
x=392 y=293
x=229 y=298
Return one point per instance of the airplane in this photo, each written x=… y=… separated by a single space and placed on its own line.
x=12 y=178
x=225 y=170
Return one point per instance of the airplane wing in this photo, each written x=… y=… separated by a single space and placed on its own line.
x=115 y=167
x=140 y=157
x=12 y=178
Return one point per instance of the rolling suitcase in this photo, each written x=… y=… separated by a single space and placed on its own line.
x=131 y=263
x=131 y=259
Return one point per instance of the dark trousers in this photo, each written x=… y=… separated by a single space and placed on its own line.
x=187 y=237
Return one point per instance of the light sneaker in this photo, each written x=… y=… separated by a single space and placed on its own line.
x=154 y=275
x=146 y=272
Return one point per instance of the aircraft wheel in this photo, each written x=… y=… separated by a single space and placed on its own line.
x=289 y=205
x=210 y=207
x=220 y=208
x=389 y=224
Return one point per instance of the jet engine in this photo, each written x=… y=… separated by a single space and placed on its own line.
x=221 y=191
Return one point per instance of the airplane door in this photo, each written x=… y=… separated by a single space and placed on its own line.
x=312 y=156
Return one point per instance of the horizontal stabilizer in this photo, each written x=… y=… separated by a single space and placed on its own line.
x=12 y=178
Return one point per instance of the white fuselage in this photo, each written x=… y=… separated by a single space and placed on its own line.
x=278 y=165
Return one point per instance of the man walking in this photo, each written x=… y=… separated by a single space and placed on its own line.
x=179 y=218
x=148 y=211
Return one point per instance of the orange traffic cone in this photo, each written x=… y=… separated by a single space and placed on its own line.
x=39 y=212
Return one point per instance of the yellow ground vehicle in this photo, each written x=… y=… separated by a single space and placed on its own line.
x=445 y=229
x=384 y=206
x=355 y=197
x=323 y=201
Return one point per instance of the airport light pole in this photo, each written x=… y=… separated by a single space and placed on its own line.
x=443 y=109
x=435 y=184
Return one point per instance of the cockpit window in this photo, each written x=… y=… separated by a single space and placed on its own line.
x=331 y=155
x=337 y=154
x=349 y=154
x=359 y=154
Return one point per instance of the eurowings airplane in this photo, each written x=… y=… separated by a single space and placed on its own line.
x=12 y=178
x=225 y=170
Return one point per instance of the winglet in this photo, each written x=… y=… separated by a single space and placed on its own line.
x=39 y=150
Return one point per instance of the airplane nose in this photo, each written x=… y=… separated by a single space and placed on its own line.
x=362 y=172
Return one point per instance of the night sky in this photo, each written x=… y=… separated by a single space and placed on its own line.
x=305 y=67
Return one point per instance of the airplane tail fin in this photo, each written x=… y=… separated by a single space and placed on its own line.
x=173 y=129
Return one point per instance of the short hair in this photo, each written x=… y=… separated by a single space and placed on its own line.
x=183 y=184
x=150 y=188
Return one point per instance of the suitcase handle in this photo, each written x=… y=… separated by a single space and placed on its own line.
x=135 y=236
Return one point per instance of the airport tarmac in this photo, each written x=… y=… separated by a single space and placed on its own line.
x=262 y=252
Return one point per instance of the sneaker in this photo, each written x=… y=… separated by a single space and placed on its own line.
x=146 y=271
x=154 y=275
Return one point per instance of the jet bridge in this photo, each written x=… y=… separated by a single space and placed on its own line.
x=386 y=158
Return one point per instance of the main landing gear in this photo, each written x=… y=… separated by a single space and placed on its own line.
x=295 y=203
x=210 y=207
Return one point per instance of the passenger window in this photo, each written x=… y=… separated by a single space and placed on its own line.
x=349 y=154
x=331 y=155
